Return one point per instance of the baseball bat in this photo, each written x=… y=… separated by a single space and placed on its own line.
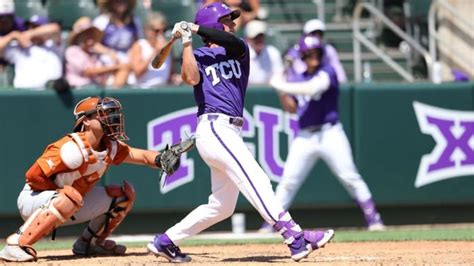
x=160 y=58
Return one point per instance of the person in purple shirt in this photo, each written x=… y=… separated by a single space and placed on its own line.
x=316 y=27
x=120 y=26
x=314 y=97
x=219 y=74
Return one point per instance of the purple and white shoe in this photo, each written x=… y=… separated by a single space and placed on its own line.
x=308 y=241
x=163 y=246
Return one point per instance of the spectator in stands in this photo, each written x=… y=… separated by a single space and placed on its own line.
x=265 y=59
x=35 y=53
x=8 y=21
x=120 y=27
x=144 y=50
x=316 y=27
x=10 y=27
x=84 y=65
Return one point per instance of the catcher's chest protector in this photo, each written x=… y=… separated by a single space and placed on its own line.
x=71 y=161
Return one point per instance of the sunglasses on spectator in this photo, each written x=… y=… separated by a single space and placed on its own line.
x=157 y=30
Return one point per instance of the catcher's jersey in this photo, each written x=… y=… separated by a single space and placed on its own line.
x=319 y=109
x=223 y=81
x=71 y=161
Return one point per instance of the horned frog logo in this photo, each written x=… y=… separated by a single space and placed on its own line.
x=453 y=132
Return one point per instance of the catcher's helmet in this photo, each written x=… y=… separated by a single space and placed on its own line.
x=109 y=113
x=209 y=16
x=308 y=43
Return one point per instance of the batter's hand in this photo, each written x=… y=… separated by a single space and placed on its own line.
x=182 y=30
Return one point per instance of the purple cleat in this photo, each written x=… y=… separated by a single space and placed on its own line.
x=163 y=246
x=308 y=241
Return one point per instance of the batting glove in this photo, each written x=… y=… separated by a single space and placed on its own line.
x=185 y=31
x=176 y=30
x=194 y=27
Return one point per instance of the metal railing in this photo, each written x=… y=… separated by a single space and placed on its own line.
x=360 y=39
x=320 y=9
x=435 y=40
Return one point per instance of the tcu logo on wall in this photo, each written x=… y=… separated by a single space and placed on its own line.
x=453 y=155
x=267 y=121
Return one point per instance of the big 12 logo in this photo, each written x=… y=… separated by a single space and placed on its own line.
x=453 y=132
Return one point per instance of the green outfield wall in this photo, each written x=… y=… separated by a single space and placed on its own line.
x=383 y=121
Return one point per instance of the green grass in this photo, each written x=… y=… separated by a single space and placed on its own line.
x=434 y=234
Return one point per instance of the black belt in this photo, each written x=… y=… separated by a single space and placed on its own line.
x=318 y=128
x=236 y=121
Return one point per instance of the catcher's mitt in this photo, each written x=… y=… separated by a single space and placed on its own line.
x=169 y=158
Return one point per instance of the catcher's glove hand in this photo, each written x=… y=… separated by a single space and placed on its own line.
x=169 y=158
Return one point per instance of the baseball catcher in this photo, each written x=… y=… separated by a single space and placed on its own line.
x=61 y=186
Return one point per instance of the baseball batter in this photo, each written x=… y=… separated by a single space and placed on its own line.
x=60 y=186
x=321 y=135
x=219 y=73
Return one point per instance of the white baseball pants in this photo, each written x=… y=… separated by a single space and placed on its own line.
x=331 y=145
x=233 y=169
x=96 y=203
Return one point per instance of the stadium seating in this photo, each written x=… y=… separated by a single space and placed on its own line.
x=66 y=12
x=175 y=10
x=28 y=8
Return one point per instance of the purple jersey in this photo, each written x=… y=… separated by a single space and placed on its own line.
x=223 y=81
x=315 y=111
x=120 y=38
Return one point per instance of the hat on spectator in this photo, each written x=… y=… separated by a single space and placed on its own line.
x=7 y=7
x=82 y=26
x=313 y=25
x=255 y=28
x=38 y=20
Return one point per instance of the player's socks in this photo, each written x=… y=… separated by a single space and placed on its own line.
x=372 y=217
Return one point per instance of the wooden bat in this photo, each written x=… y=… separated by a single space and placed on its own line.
x=160 y=58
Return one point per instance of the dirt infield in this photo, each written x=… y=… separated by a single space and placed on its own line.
x=365 y=253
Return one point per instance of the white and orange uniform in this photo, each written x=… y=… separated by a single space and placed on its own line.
x=71 y=161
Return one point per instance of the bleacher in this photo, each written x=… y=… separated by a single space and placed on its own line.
x=285 y=19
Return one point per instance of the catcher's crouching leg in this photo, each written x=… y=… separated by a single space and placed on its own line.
x=59 y=209
x=93 y=240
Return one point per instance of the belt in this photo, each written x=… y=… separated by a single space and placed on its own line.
x=233 y=120
x=318 y=128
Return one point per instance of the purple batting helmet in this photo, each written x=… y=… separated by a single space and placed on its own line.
x=309 y=42
x=208 y=16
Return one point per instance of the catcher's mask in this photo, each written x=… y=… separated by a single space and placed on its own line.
x=109 y=113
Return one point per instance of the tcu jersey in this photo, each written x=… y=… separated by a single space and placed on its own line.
x=71 y=161
x=321 y=108
x=223 y=81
